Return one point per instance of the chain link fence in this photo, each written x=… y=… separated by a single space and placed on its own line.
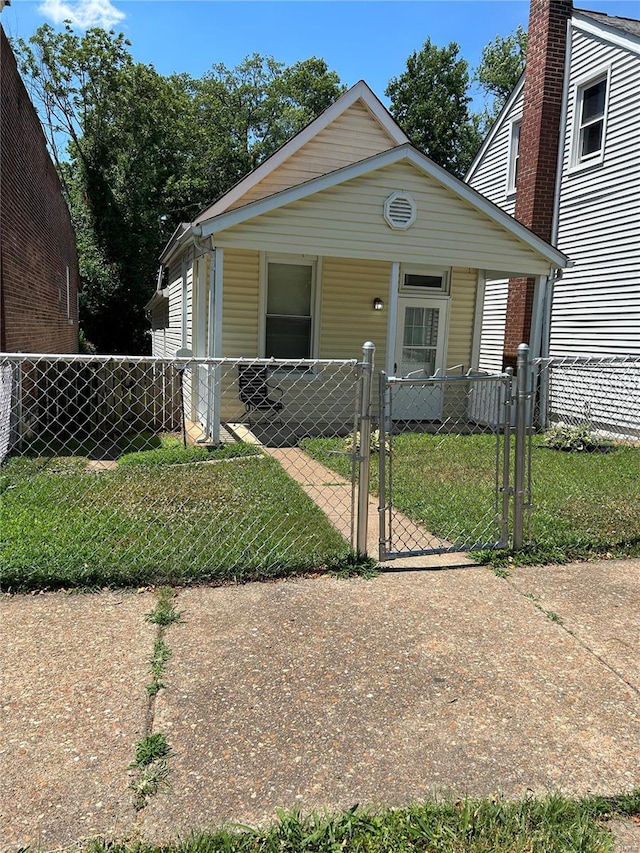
x=133 y=471
x=143 y=470
x=444 y=463
x=584 y=454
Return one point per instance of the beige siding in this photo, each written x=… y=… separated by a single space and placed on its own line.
x=240 y=313
x=240 y=307
x=347 y=221
x=353 y=136
x=349 y=287
x=461 y=317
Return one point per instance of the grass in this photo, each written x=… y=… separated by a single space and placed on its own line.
x=553 y=824
x=584 y=504
x=151 y=768
x=159 y=517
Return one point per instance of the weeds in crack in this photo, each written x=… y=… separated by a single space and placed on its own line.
x=152 y=768
x=550 y=614
x=159 y=659
x=150 y=765
x=164 y=613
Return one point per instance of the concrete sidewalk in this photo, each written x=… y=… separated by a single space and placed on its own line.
x=319 y=692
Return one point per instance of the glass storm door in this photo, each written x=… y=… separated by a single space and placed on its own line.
x=420 y=351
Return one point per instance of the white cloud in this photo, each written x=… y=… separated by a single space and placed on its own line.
x=82 y=13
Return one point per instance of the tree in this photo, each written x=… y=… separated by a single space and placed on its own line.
x=138 y=152
x=430 y=101
x=248 y=112
x=111 y=126
x=500 y=68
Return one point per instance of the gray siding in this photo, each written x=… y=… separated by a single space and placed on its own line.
x=489 y=174
x=493 y=323
x=596 y=306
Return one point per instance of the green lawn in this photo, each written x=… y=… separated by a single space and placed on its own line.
x=584 y=504
x=158 y=517
x=553 y=824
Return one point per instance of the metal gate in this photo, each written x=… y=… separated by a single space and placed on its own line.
x=444 y=484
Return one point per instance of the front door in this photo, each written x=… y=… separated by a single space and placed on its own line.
x=420 y=351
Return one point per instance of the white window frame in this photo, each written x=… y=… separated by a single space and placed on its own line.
x=514 y=155
x=316 y=276
x=418 y=269
x=581 y=86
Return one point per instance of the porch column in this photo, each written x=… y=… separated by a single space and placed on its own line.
x=477 y=322
x=214 y=343
x=392 y=317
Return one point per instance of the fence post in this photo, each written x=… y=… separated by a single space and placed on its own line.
x=368 y=351
x=382 y=468
x=522 y=397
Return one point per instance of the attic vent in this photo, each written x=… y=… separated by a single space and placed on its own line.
x=400 y=211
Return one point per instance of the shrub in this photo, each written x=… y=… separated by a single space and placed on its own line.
x=574 y=439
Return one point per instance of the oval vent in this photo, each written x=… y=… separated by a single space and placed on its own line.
x=400 y=211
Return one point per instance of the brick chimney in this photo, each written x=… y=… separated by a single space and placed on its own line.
x=538 y=156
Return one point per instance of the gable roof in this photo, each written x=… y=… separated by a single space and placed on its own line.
x=629 y=26
x=358 y=93
x=405 y=152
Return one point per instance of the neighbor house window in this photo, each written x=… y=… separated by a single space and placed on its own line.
x=514 y=157
x=289 y=326
x=591 y=105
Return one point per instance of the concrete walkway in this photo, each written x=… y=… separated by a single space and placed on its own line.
x=319 y=692
x=332 y=493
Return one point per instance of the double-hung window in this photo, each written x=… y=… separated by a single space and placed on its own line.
x=591 y=108
x=289 y=310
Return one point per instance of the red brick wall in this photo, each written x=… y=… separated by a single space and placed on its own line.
x=539 y=138
x=37 y=243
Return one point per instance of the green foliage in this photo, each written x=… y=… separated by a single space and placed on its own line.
x=235 y=520
x=159 y=659
x=164 y=613
x=151 y=766
x=579 y=438
x=354 y=565
x=430 y=101
x=500 y=68
x=173 y=452
x=139 y=152
x=584 y=504
x=551 y=824
x=151 y=748
x=374 y=442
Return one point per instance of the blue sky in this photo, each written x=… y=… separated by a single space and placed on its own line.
x=359 y=39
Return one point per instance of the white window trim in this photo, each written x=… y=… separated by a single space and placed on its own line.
x=316 y=277
x=576 y=162
x=514 y=154
x=419 y=269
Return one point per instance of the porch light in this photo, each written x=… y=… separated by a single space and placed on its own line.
x=378 y=304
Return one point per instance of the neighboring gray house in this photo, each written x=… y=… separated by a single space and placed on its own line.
x=589 y=190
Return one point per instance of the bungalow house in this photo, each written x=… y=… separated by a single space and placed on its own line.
x=346 y=233
x=564 y=159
